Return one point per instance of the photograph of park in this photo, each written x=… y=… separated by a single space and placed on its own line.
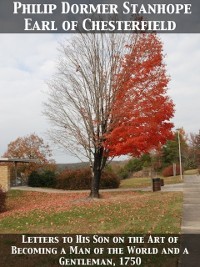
x=100 y=138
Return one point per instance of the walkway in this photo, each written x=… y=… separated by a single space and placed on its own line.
x=191 y=221
x=191 y=205
x=166 y=188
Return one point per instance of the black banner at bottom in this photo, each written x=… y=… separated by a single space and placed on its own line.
x=99 y=250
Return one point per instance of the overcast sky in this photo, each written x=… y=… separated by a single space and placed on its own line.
x=29 y=60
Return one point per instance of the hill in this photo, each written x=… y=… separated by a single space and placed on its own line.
x=79 y=165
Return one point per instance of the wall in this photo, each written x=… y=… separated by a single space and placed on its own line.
x=5 y=178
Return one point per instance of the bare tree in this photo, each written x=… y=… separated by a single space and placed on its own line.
x=81 y=96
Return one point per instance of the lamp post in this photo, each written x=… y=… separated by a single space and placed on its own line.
x=179 y=151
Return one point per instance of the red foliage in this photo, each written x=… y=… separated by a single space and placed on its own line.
x=33 y=147
x=141 y=110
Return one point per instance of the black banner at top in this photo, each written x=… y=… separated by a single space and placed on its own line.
x=119 y=16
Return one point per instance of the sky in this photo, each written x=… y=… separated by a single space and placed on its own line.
x=28 y=61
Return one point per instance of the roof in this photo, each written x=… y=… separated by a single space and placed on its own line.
x=18 y=160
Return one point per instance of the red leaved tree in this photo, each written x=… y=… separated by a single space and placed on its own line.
x=109 y=98
x=30 y=147
x=141 y=110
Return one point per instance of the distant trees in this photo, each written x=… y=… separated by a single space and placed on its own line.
x=163 y=158
x=194 y=149
x=190 y=150
x=30 y=147
x=170 y=151
x=134 y=165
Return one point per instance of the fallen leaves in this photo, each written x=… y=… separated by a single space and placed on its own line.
x=114 y=212
x=30 y=201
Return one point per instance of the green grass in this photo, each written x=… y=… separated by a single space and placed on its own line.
x=135 y=182
x=145 y=182
x=15 y=194
x=191 y=172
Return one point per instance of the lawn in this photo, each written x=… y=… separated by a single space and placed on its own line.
x=191 y=172
x=74 y=213
x=115 y=212
x=145 y=182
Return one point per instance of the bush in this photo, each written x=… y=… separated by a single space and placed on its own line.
x=168 y=171
x=109 y=180
x=48 y=179
x=123 y=173
x=81 y=179
x=34 y=179
x=2 y=200
x=74 y=179
x=133 y=165
x=45 y=179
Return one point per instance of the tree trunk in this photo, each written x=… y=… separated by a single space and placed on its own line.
x=99 y=163
x=96 y=176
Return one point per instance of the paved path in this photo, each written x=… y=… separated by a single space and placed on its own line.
x=191 y=205
x=166 y=188
x=191 y=221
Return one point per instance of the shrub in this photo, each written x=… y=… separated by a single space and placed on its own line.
x=109 y=180
x=74 y=179
x=81 y=179
x=168 y=171
x=123 y=173
x=46 y=178
x=34 y=179
x=2 y=200
x=133 y=165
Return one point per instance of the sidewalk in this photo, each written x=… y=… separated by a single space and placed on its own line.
x=166 y=188
x=191 y=222
x=191 y=205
